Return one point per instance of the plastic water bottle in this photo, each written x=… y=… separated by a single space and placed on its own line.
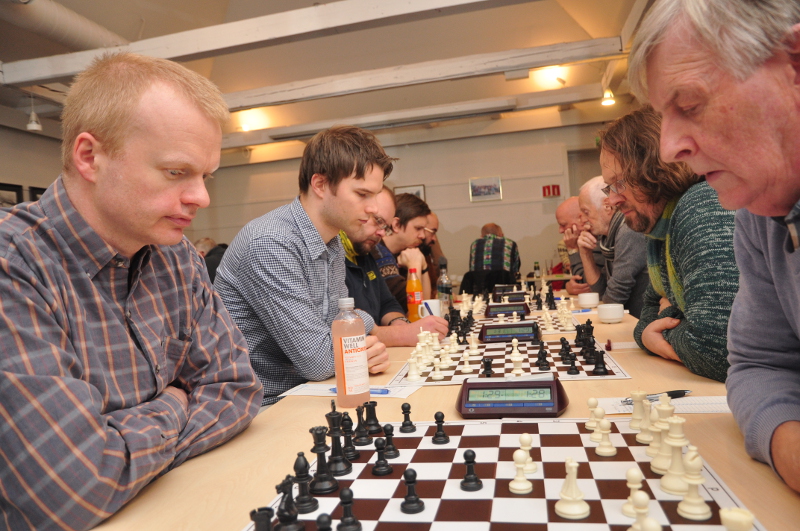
x=413 y=294
x=445 y=289
x=350 y=356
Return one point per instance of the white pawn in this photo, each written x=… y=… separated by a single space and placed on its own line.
x=591 y=424
x=635 y=479
x=572 y=303
x=605 y=449
x=466 y=367
x=644 y=436
x=520 y=484
x=437 y=373
x=444 y=356
x=413 y=371
x=599 y=414
x=517 y=371
x=571 y=505
x=736 y=519
x=525 y=444
x=641 y=504
x=638 y=398
x=435 y=341
x=514 y=317
x=693 y=506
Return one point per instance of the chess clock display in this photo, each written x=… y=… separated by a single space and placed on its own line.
x=497 y=333
x=542 y=396
x=493 y=310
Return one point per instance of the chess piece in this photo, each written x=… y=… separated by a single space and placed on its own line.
x=466 y=368
x=605 y=449
x=572 y=368
x=655 y=433
x=361 y=438
x=348 y=522
x=350 y=451
x=324 y=522
x=663 y=457
x=487 y=367
x=391 y=451
x=437 y=373
x=471 y=481
x=411 y=504
x=514 y=317
x=525 y=444
x=571 y=505
x=693 y=506
x=635 y=479
x=337 y=462
x=323 y=481
x=517 y=370
x=591 y=424
x=645 y=436
x=599 y=414
x=641 y=504
x=407 y=426
x=413 y=371
x=287 y=510
x=262 y=518
x=600 y=368
x=381 y=466
x=305 y=502
x=735 y=519
x=520 y=484
x=672 y=482
x=440 y=437
x=501 y=318
x=371 y=419
x=638 y=398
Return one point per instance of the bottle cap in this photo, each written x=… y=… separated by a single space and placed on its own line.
x=346 y=303
x=412 y=270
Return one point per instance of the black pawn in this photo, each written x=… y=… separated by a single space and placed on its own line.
x=323 y=481
x=440 y=437
x=362 y=438
x=487 y=367
x=591 y=355
x=371 y=420
x=407 y=426
x=600 y=364
x=305 y=502
x=381 y=466
x=262 y=518
x=287 y=510
x=411 y=504
x=348 y=522
x=572 y=368
x=471 y=481
x=324 y=522
x=337 y=462
x=350 y=451
x=391 y=451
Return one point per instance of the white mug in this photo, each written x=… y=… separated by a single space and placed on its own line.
x=588 y=300
x=610 y=313
x=435 y=306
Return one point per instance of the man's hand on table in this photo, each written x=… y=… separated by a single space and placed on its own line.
x=784 y=445
x=377 y=357
x=432 y=324
x=653 y=338
x=576 y=287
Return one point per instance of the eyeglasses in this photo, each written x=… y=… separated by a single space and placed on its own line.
x=618 y=187
x=432 y=231
x=385 y=227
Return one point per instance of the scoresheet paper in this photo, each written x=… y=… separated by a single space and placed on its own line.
x=687 y=404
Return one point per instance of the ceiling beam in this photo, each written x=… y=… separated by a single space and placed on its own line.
x=616 y=70
x=258 y=32
x=426 y=72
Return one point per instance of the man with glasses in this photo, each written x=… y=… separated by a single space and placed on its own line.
x=693 y=275
x=432 y=251
x=367 y=287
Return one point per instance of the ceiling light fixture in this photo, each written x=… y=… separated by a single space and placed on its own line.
x=33 y=123
x=608 y=98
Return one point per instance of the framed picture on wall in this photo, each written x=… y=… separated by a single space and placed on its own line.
x=415 y=189
x=10 y=195
x=485 y=189
x=35 y=193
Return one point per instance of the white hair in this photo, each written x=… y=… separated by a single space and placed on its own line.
x=594 y=187
x=741 y=35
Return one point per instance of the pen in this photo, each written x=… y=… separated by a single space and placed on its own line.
x=582 y=311
x=428 y=308
x=652 y=398
x=372 y=391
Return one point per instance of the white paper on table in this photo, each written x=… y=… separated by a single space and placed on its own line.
x=687 y=404
x=325 y=390
x=623 y=345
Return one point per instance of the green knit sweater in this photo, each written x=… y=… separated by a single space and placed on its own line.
x=691 y=263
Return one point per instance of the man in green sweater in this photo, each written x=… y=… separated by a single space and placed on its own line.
x=693 y=274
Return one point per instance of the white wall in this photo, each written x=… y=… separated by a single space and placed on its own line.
x=28 y=159
x=525 y=162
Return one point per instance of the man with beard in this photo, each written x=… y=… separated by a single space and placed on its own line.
x=367 y=287
x=432 y=252
x=568 y=217
x=693 y=275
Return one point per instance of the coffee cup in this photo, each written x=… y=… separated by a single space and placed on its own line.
x=588 y=300
x=434 y=304
x=610 y=313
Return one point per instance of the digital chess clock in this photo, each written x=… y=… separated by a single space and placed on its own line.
x=513 y=296
x=497 y=333
x=537 y=396
x=493 y=310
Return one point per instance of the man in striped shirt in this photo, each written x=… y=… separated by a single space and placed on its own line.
x=119 y=361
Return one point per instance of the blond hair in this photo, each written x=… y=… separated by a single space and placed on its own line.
x=204 y=245
x=105 y=96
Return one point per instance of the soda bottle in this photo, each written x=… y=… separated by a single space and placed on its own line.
x=350 y=356
x=537 y=272
x=445 y=289
x=413 y=294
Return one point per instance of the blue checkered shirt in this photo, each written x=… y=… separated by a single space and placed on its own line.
x=281 y=284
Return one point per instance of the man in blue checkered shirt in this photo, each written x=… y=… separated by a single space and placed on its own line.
x=283 y=274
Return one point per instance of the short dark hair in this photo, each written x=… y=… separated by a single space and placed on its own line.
x=338 y=152
x=408 y=207
x=634 y=140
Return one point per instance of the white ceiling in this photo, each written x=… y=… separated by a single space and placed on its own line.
x=346 y=62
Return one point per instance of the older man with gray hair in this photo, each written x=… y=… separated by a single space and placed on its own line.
x=725 y=76
x=624 y=277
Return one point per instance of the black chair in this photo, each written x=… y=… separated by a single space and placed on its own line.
x=476 y=282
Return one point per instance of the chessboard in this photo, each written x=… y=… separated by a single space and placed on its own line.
x=502 y=365
x=440 y=469
x=537 y=316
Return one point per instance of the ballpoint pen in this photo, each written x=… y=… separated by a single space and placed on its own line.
x=428 y=308
x=372 y=391
x=654 y=397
